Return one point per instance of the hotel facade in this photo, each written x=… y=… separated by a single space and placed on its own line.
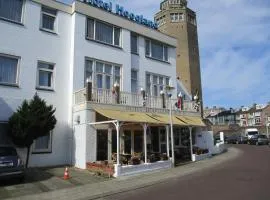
x=108 y=72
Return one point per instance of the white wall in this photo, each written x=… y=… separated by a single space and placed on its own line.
x=67 y=49
x=86 y=48
x=31 y=44
x=204 y=139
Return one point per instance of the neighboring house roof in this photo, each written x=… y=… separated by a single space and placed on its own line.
x=222 y=113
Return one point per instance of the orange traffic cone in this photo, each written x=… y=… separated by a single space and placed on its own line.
x=66 y=174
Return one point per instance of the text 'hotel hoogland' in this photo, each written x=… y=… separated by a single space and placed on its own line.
x=104 y=69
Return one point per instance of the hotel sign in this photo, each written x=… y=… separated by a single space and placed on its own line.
x=119 y=10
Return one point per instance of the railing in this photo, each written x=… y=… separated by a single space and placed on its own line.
x=102 y=96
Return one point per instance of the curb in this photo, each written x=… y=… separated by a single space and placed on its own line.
x=236 y=153
x=136 y=182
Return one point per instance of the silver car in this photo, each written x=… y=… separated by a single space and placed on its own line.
x=259 y=140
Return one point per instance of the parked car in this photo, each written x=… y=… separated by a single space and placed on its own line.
x=11 y=165
x=259 y=140
x=241 y=140
x=232 y=139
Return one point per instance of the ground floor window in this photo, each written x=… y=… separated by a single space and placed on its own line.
x=43 y=144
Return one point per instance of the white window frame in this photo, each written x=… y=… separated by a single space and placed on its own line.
x=46 y=70
x=257 y=120
x=17 y=71
x=164 y=46
x=51 y=15
x=137 y=43
x=94 y=34
x=158 y=84
x=48 y=150
x=22 y=15
x=103 y=73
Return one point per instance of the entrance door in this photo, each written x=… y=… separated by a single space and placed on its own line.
x=138 y=141
x=163 y=140
x=127 y=141
x=102 y=145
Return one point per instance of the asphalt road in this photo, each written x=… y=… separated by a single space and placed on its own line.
x=244 y=178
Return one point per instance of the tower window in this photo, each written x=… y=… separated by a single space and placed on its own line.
x=176 y=17
x=191 y=19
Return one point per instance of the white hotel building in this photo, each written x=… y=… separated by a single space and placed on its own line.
x=52 y=49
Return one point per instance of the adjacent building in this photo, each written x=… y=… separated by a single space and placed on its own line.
x=109 y=73
x=226 y=117
x=179 y=21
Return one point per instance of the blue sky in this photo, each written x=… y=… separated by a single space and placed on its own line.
x=234 y=39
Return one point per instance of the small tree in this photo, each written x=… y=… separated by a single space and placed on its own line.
x=32 y=120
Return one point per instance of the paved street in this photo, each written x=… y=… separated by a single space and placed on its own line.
x=247 y=177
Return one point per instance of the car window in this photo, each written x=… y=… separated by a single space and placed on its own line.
x=253 y=133
x=262 y=136
x=7 y=151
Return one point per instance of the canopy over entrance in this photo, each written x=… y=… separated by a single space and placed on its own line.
x=151 y=118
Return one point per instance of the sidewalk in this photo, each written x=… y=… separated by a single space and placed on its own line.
x=114 y=186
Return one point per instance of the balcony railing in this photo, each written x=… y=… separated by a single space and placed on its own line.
x=103 y=96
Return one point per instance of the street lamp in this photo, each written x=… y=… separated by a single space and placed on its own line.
x=144 y=96
x=180 y=101
x=196 y=99
x=169 y=89
x=117 y=91
x=89 y=89
x=162 y=94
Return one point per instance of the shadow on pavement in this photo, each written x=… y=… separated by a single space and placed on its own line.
x=31 y=175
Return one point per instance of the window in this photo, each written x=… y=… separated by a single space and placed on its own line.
x=45 y=75
x=88 y=70
x=134 y=81
x=257 y=121
x=103 y=75
x=155 y=83
x=191 y=19
x=162 y=20
x=134 y=43
x=48 y=18
x=176 y=17
x=156 y=50
x=8 y=70
x=11 y=10
x=43 y=144
x=138 y=141
x=103 y=32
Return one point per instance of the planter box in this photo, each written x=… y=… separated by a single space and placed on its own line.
x=200 y=157
x=142 y=168
x=100 y=168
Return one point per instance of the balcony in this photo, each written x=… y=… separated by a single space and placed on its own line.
x=133 y=102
